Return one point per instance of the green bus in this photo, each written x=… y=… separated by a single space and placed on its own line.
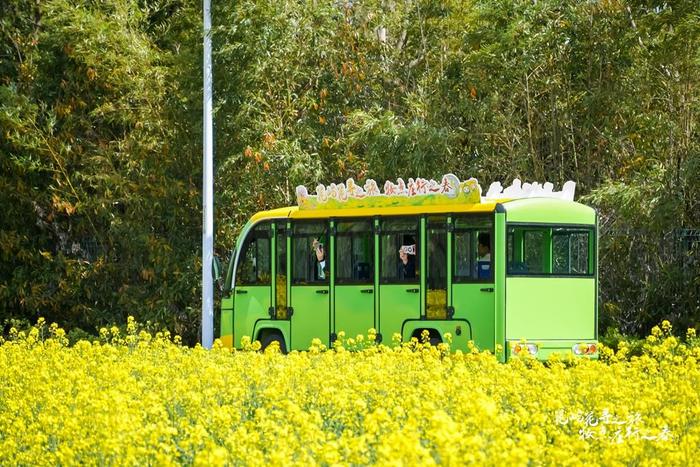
x=517 y=274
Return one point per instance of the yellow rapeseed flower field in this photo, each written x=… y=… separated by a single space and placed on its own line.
x=142 y=399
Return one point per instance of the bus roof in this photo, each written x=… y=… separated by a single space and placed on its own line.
x=519 y=210
x=547 y=210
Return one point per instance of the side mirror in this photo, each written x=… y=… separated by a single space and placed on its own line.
x=216 y=272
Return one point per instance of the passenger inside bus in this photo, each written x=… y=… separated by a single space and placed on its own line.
x=320 y=254
x=407 y=255
x=362 y=271
x=483 y=262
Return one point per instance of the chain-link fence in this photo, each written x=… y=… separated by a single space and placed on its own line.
x=646 y=277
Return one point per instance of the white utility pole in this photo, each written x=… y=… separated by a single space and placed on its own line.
x=208 y=191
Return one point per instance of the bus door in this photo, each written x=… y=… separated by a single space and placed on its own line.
x=399 y=273
x=354 y=277
x=252 y=295
x=309 y=299
x=436 y=279
x=281 y=270
x=473 y=277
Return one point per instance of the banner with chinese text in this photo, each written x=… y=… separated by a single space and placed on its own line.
x=415 y=192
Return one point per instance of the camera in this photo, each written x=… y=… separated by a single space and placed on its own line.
x=409 y=249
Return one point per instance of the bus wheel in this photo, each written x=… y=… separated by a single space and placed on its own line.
x=270 y=337
x=434 y=337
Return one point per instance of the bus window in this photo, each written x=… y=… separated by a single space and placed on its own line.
x=558 y=250
x=400 y=256
x=354 y=246
x=570 y=251
x=536 y=251
x=254 y=262
x=436 y=297
x=310 y=255
x=473 y=245
x=281 y=271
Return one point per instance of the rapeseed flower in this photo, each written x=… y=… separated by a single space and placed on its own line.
x=136 y=398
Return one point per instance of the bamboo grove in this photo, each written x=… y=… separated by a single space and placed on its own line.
x=100 y=133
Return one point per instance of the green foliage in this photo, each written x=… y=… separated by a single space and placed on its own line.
x=98 y=213
x=613 y=337
x=100 y=116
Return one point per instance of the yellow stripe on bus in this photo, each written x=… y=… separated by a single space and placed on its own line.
x=294 y=212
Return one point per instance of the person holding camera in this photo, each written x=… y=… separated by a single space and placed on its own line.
x=407 y=257
x=320 y=255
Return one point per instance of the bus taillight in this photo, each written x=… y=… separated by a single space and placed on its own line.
x=525 y=349
x=584 y=349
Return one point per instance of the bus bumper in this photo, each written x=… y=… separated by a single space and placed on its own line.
x=561 y=349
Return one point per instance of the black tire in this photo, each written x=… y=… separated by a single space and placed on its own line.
x=434 y=337
x=271 y=337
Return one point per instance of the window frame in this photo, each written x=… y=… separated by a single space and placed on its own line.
x=336 y=234
x=241 y=262
x=592 y=258
x=281 y=225
x=443 y=227
x=381 y=231
x=293 y=235
x=469 y=280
